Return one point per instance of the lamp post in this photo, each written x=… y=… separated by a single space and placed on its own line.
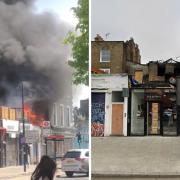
x=23 y=121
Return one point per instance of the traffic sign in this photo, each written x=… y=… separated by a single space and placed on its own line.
x=46 y=124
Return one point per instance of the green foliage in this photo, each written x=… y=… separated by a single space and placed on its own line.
x=80 y=44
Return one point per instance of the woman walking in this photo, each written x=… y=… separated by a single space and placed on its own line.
x=45 y=170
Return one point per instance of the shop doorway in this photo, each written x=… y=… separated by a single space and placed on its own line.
x=117 y=119
x=153 y=118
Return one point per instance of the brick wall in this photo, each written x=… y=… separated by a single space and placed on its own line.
x=116 y=64
x=121 y=52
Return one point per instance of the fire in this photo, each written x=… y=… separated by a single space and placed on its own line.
x=32 y=117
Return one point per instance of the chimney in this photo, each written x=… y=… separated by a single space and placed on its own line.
x=98 y=38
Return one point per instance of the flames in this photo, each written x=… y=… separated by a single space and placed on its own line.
x=32 y=117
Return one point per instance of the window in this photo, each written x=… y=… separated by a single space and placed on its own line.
x=61 y=114
x=105 y=55
x=68 y=115
x=117 y=96
x=72 y=154
x=87 y=154
x=106 y=70
x=55 y=114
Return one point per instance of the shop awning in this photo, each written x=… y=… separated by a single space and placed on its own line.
x=55 y=137
x=2 y=130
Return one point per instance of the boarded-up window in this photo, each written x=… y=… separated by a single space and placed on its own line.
x=139 y=76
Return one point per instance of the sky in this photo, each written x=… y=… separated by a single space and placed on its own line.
x=154 y=25
x=63 y=10
x=61 y=7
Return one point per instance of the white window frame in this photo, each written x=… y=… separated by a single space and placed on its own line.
x=106 y=70
x=55 y=114
x=101 y=59
x=68 y=116
x=61 y=116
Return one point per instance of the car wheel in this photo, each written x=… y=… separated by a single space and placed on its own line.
x=69 y=174
x=87 y=174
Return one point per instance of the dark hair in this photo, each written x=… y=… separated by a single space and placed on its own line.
x=45 y=168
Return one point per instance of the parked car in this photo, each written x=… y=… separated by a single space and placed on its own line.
x=75 y=161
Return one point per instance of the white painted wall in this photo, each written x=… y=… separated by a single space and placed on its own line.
x=107 y=84
x=125 y=116
x=113 y=82
x=137 y=125
x=108 y=114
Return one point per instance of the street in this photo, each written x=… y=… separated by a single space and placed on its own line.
x=76 y=176
x=63 y=176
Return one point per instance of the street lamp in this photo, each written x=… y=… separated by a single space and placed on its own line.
x=23 y=121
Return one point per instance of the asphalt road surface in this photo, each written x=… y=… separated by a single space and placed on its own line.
x=75 y=176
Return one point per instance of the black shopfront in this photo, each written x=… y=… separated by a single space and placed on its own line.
x=153 y=112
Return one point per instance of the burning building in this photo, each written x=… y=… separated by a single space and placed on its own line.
x=31 y=53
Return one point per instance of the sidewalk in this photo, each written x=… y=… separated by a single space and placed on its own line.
x=136 y=156
x=17 y=172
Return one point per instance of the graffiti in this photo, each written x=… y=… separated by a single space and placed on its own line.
x=97 y=129
x=97 y=111
x=97 y=114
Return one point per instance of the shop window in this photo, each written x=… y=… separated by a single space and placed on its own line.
x=117 y=96
x=161 y=69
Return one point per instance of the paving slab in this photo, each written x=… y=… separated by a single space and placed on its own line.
x=136 y=156
x=17 y=173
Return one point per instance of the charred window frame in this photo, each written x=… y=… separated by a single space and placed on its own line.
x=161 y=69
x=177 y=69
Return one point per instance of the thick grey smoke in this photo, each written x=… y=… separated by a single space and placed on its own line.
x=31 y=50
x=10 y=2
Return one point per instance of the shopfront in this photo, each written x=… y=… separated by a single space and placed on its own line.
x=109 y=102
x=153 y=112
x=12 y=141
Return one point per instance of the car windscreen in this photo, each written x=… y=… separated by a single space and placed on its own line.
x=72 y=154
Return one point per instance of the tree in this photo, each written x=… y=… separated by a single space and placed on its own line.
x=79 y=39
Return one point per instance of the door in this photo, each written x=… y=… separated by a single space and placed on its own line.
x=97 y=114
x=117 y=119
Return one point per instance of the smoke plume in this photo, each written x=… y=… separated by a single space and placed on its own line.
x=32 y=52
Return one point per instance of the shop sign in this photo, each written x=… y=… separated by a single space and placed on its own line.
x=152 y=97
x=11 y=125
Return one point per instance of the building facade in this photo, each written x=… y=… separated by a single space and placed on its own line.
x=113 y=56
x=110 y=93
x=109 y=105
x=153 y=109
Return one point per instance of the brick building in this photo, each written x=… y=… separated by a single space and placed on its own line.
x=114 y=57
x=110 y=92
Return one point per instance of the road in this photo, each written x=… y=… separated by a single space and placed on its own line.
x=75 y=176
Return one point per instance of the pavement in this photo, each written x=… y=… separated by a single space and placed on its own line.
x=151 y=157
x=17 y=173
